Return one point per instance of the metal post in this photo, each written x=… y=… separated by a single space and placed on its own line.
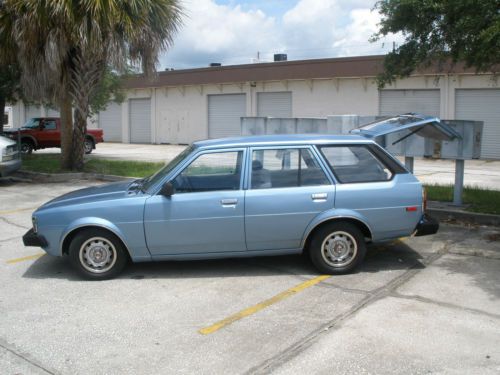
x=409 y=163
x=459 y=182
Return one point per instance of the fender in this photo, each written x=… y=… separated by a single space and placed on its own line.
x=102 y=223
x=334 y=213
x=31 y=138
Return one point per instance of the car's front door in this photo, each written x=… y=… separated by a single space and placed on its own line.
x=49 y=135
x=206 y=212
x=287 y=189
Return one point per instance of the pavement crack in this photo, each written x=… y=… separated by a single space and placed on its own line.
x=298 y=347
x=12 y=223
x=7 y=347
x=443 y=304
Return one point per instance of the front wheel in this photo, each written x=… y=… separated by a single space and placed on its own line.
x=97 y=254
x=337 y=248
x=88 y=145
x=26 y=147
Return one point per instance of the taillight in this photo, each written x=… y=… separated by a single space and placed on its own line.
x=424 y=199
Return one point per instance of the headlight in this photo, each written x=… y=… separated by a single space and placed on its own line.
x=35 y=224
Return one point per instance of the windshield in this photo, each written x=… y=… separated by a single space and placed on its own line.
x=32 y=123
x=158 y=176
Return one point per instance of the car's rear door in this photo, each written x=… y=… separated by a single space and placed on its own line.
x=205 y=214
x=287 y=188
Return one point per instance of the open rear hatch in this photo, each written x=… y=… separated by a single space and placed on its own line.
x=424 y=126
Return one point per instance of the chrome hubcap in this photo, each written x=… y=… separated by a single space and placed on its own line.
x=87 y=146
x=339 y=249
x=97 y=255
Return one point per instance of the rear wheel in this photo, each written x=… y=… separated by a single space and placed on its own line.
x=337 y=248
x=97 y=254
x=88 y=145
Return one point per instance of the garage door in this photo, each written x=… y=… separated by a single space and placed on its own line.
x=274 y=104
x=31 y=111
x=52 y=112
x=482 y=105
x=110 y=121
x=394 y=102
x=140 y=120
x=224 y=115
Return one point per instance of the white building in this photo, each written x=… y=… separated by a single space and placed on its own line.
x=186 y=105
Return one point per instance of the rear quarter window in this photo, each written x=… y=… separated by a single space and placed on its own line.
x=356 y=163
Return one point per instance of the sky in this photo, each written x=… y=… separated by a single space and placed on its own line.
x=241 y=31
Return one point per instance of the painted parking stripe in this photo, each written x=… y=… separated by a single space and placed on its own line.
x=262 y=305
x=18 y=210
x=29 y=257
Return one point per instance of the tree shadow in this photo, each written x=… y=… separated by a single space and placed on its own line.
x=381 y=257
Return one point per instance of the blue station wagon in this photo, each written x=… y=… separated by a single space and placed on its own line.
x=245 y=197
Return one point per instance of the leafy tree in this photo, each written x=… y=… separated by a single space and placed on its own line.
x=64 y=49
x=440 y=31
x=10 y=90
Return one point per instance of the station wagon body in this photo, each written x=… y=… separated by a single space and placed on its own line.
x=241 y=197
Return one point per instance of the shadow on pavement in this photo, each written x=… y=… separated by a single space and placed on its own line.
x=381 y=257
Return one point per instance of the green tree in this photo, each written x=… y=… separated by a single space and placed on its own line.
x=10 y=90
x=440 y=31
x=64 y=49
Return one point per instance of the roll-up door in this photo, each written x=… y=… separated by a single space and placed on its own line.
x=274 y=104
x=140 y=120
x=482 y=105
x=51 y=112
x=224 y=115
x=110 y=121
x=397 y=102
x=31 y=111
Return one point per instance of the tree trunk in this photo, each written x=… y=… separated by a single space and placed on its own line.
x=78 y=138
x=2 y=109
x=66 y=130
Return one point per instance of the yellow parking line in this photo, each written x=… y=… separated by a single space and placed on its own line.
x=18 y=210
x=29 y=257
x=262 y=305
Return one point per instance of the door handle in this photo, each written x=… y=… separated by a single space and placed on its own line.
x=319 y=196
x=230 y=202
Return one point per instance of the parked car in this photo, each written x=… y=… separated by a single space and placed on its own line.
x=245 y=197
x=10 y=160
x=45 y=132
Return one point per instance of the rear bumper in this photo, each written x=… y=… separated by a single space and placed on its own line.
x=31 y=238
x=426 y=226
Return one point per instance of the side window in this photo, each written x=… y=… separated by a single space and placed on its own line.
x=49 y=125
x=291 y=167
x=211 y=172
x=355 y=164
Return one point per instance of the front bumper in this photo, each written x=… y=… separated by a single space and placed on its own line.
x=31 y=238
x=7 y=167
x=426 y=226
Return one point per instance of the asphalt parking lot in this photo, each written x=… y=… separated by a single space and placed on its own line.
x=417 y=305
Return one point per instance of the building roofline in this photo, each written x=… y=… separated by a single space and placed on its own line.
x=329 y=68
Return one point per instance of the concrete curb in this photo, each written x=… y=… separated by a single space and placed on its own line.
x=65 y=177
x=464 y=216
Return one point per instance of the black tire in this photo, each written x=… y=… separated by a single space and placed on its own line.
x=26 y=146
x=350 y=242
x=105 y=246
x=88 y=145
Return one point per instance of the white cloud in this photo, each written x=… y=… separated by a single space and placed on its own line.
x=308 y=29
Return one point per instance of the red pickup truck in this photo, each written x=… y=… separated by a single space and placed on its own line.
x=44 y=132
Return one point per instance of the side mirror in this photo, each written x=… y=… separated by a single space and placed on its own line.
x=167 y=189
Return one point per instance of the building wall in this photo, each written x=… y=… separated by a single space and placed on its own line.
x=180 y=113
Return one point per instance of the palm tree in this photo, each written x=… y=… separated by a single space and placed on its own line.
x=65 y=46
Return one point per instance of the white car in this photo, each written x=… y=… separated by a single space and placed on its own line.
x=10 y=159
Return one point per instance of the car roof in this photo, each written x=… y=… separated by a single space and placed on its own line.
x=282 y=140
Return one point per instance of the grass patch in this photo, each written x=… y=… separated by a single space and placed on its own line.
x=46 y=163
x=480 y=200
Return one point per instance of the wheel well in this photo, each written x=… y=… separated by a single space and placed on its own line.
x=88 y=136
x=362 y=227
x=69 y=237
x=28 y=140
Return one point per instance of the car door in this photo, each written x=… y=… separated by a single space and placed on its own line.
x=206 y=212
x=287 y=189
x=49 y=134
